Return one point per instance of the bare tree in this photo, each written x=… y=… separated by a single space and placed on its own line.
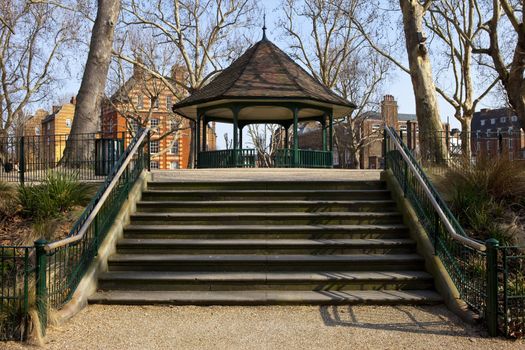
x=337 y=54
x=91 y=93
x=206 y=35
x=458 y=23
x=28 y=58
x=510 y=68
x=419 y=69
x=265 y=139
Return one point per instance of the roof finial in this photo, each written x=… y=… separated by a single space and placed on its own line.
x=264 y=27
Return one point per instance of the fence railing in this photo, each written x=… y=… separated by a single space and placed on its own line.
x=481 y=272
x=16 y=279
x=89 y=157
x=461 y=145
x=228 y=158
x=303 y=158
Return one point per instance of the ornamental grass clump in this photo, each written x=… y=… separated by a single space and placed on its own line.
x=8 y=200
x=487 y=196
x=57 y=194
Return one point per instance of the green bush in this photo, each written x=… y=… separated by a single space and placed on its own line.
x=483 y=194
x=57 y=194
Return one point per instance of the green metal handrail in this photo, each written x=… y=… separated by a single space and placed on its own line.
x=303 y=158
x=464 y=259
x=61 y=265
x=228 y=158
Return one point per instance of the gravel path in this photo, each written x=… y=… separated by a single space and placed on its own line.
x=271 y=327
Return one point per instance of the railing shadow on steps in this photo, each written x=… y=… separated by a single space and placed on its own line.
x=61 y=265
x=489 y=278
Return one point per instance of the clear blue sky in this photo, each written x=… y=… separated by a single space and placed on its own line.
x=399 y=84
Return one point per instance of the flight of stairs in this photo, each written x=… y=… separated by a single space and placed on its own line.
x=272 y=242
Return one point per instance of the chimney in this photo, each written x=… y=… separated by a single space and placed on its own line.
x=138 y=71
x=73 y=100
x=177 y=72
x=389 y=111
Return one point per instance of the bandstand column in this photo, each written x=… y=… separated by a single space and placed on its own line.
x=235 y=111
x=286 y=135
x=240 y=136
x=323 y=126
x=331 y=130
x=295 y=136
x=204 y=129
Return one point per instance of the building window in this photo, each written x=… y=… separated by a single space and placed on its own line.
x=489 y=145
x=483 y=122
x=154 y=147
x=168 y=102
x=140 y=102
x=493 y=121
x=488 y=132
x=154 y=122
x=155 y=102
x=174 y=165
x=503 y=119
x=511 y=129
x=174 y=124
x=376 y=126
x=514 y=118
x=48 y=127
x=37 y=131
x=68 y=123
x=154 y=164
x=175 y=148
x=403 y=127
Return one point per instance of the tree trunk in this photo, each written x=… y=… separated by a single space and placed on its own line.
x=430 y=128
x=91 y=93
x=466 y=137
x=515 y=84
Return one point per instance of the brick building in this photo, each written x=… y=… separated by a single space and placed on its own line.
x=369 y=153
x=146 y=100
x=495 y=131
x=55 y=131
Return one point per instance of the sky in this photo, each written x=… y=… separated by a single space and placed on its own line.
x=399 y=84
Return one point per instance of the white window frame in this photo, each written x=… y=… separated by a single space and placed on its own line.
x=154 y=124
x=154 y=164
x=176 y=167
x=503 y=119
x=154 y=145
x=493 y=121
x=483 y=122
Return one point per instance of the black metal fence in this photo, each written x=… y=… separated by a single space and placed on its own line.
x=17 y=271
x=90 y=157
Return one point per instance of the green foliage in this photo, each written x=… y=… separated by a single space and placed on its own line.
x=482 y=194
x=57 y=194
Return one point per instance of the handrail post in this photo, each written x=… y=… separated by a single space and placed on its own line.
x=384 y=150
x=148 y=155
x=22 y=161
x=492 y=286
x=41 y=283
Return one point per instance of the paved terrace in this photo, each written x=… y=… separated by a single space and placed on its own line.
x=189 y=175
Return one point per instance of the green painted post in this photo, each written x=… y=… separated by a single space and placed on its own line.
x=235 y=111
x=385 y=166
x=323 y=125
x=240 y=137
x=22 y=161
x=204 y=127
x=41 y=283
x=331 y=130
x=286 y=136
x=492 y=286
x=26 y=292
x=148 y=155
x=295 y=157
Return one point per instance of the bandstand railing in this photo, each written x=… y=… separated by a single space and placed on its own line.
x=303 y=158
x=228 y=158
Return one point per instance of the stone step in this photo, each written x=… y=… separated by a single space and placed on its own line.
x=266 y=231
x=276 y=297
x=214 y=195
x=265 y=246
x=326 y=280
x=266 y=206
x=266 y=185
x=334 y=218
x=249 y=263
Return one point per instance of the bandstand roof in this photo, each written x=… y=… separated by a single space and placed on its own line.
x=264 y=81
